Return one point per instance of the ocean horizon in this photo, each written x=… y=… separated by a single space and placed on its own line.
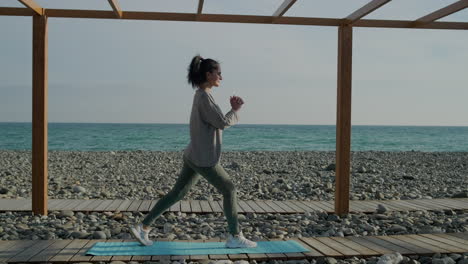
x=242 y=137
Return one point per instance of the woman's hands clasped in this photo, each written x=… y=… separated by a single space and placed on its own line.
x=236 y=102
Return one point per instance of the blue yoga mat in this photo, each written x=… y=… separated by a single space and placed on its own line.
x=189 y=248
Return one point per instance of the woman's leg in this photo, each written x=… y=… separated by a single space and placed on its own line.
x=219 y=178
x=187 y=178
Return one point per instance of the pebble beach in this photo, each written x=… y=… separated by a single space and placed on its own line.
x=258 y=175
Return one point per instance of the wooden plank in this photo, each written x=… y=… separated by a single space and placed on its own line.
x=427 y=205
x=265 y=206
x=48 y=253
x=421 y=242
x=453 y=237
x=26 y=206
x=69 y=251
x=240 y=208
x=257 y=209
x=153 y=203
x=10 y=248
x=294 y=207
x=113 y=206
x=415 y=206
x=343 y=120
x=175 y=207
x=67 y=205
x=82 y=205
x=115 y=6
x=377 y=248
x=124 y=205
x=400 y=206
x=365 y=10
x=451 y=245
x=405 y=244
x=31 y=4
x=328 y=205
x=215 y=206
x=460 y=235
x=39 y=116
x=195 y=206
x=393 y=206
x=311 y=253
x=451 y=203
x=435 y=242
x=27 y=254
x=205 y=207
x=440 y=13
x=95 y=204
x=320 y=247
x=134 y=206
x=382 y=242
x=247 y=208
x=81 y=255
x=310 y=21
x=274 y=206
x=304 y=207
x=285 y=207
x=283 y=8
x=185 y=206
x=362 y=250
x=314 y=205
x=344 y=250
x=145 y=205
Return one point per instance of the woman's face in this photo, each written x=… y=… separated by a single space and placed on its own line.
x=214 y=78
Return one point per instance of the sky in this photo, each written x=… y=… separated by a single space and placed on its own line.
x=128 y=71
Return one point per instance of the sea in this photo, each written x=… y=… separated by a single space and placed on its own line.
x=242 y=137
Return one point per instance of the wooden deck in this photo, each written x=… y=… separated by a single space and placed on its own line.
x=250 y=206
x=54 y=251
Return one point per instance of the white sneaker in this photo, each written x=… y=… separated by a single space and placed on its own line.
x=141 y=235
x=239 y=241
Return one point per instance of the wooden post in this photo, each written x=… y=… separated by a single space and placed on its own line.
x=39 y=116
x=343 y=120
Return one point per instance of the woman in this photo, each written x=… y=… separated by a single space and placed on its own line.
x=201 y=157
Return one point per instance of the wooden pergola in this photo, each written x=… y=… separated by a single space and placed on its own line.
x=345 y=40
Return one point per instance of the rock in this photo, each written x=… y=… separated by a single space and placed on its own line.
x=446 y=260
x=78 y=189
x=99 y=235
x=463 y=194
x=381 y=209
x=241 y=262
x=79 y=234
x=331 y=167
x=67 y=213
x=397 y=228
x=4 y=190
x=393 y=258
x=362 y=169
x=408 y=177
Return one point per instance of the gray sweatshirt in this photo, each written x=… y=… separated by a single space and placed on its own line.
x=207 y=122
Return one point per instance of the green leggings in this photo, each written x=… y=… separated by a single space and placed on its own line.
x=188 y=177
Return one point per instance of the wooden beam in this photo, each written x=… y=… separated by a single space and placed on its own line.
x=283 y=8
x=343 y=120
x=31 y=4
x=39 y=116
x=115 y=6
x=443 y=12
x=307 y=21
x=200 y=9
x=365 y=10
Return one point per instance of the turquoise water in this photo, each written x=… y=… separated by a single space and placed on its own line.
x=174 y=137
